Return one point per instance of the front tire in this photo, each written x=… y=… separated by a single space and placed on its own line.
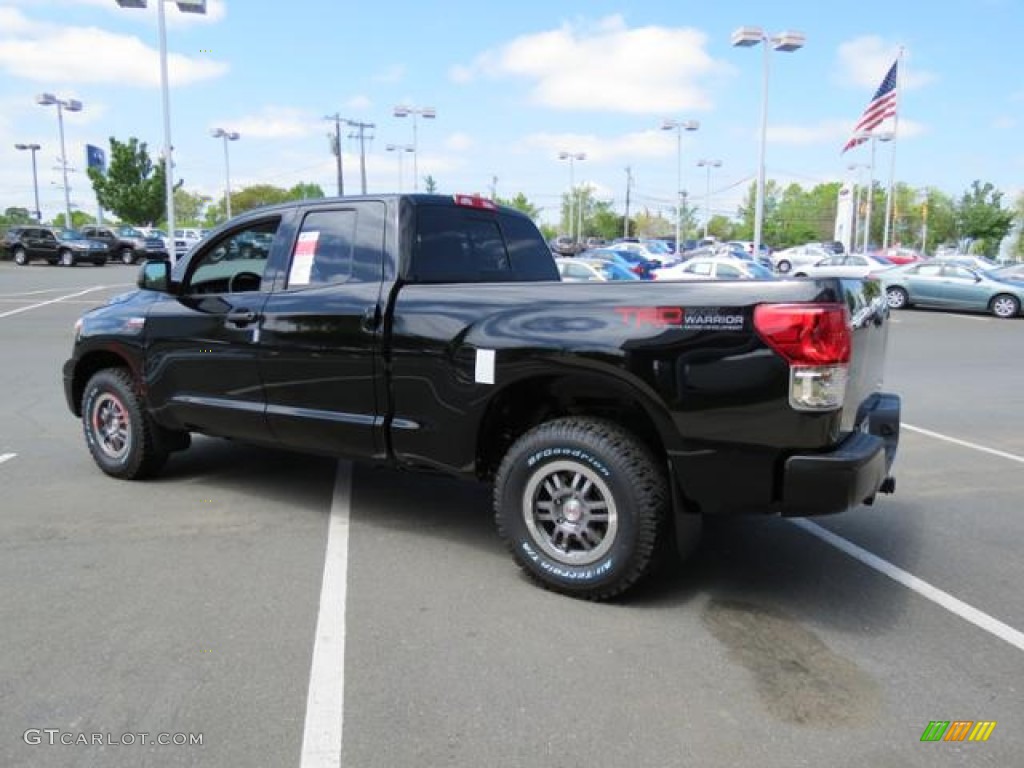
x=1005 y=306
x=122 y=438
x=67 y=258
x=582 y=504
x=127 y=256
x=897 y=298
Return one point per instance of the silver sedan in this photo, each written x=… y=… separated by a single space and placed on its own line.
x=950 y=286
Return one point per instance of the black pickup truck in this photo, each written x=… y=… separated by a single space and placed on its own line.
x=431 y=332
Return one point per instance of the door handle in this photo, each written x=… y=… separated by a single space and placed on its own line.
x=241 y=317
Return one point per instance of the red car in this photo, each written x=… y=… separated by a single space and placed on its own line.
x=902 y=255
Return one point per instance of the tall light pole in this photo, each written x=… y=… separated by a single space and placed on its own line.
x=33 y=148
x=427 y=113
x=572 y=157
x=185 y=6
x=855 y=167
x=873 y=138
x=679 y=126
x=708 y=165
x=71 y=105
x=400 y=148
x=744 y=37
x=219 y=133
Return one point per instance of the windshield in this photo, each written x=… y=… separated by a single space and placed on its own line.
x=129 y=232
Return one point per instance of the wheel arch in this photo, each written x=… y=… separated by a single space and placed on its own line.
x=527 y=402
x=88 y=365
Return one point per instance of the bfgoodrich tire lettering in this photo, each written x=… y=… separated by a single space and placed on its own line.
x=581 y=504
x=123 y=440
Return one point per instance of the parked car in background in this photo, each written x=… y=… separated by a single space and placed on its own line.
x=55 y=245
x=575 y=270
x=658 y=253
x=715 y=268
x=943 y=284
x=798 y=256
x=973 y=262
x=127 y=243
x=9 y=239
x=563 y=245
x=634 y=262
x=901 y=255
x=843 y=265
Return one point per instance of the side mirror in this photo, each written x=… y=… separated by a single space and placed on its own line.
x=155 y=276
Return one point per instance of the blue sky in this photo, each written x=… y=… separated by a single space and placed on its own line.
x=513 y=84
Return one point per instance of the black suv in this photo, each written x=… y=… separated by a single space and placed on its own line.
x=55 y=245
x=128 y=244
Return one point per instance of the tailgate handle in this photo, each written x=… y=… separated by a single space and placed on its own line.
x=371 y=318
x=241 y=317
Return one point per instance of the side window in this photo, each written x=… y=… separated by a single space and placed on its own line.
x=728 y=271
x=339 y=246
x=530 y=257
x=234 y=262
x=929 y=270
x=700 y=268
x=959 y=272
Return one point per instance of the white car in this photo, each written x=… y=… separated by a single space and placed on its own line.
x=714 y=268
x=843 y=265
x=798 y=256
x=655 y=253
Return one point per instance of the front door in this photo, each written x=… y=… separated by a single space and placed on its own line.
x=202 y=357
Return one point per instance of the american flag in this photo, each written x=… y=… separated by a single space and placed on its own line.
x=882 y=107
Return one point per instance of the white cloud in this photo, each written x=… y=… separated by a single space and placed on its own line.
x=393 y=74
x=48 y=53
x=864 y=61
x=631 y=146
x=833 y=132
x=276 y=123
x=1004 y=123
x=605 y=66
x=459 y=142
x=359 y=102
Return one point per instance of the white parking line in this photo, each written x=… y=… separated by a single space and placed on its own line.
x=325 y=701
x=6 y=457
x=923 y=588
x=52 y=301
x=964 y=443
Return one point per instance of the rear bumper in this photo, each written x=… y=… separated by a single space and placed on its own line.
x=852 y=473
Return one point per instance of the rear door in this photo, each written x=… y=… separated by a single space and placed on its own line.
x=320 y=333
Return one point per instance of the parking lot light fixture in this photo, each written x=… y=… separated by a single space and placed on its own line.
x=572 y=157
x=71 y=105
x=427 y=113
x=33 y=148
x=400 y=148
x=679 y=126
x=708 y=165
x=786 y=42
x=220 y=133
x=185 y=6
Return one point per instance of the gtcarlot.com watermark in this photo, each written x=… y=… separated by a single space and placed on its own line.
x=55 y=736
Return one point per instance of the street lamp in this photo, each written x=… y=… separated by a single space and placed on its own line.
x=679 y=126
x=786 y=42
x=708 y=164
x=873 y=138
x=427 y=113
x=219 y=133
x=400 y=148
x=71 y=105
x=572 y=157
x=185 y=6
x=33 y=148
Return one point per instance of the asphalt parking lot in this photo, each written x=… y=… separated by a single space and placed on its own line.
x=191 y=606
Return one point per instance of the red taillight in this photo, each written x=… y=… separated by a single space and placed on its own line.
x=475 y=201
x=637 y=270
x=805 y=334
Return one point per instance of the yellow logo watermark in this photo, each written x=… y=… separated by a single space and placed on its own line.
x=958 y=730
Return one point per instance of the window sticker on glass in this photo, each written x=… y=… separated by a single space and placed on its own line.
x=302 y=260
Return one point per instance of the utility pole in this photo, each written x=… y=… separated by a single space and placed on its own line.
x=361 y=129
x=494 y=187
x=629 y=185
x=336 y=149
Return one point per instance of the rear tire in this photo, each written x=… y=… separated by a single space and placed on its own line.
x=1005 y=306
x=67 y=258
x=122 y=438
x=127 y=256
x=20 y=257
x=784 y=266
x=582 y=505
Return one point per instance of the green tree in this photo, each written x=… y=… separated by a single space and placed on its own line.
x=79 y=219
x=304 y=190
x=133 y=187
x=258 y=195
x=722 y=227
x=605 y=222
x=188 y=207
x=14 y=217
x=1018 y=246
x=981 y=218
x=521 y=203
x=430 y=184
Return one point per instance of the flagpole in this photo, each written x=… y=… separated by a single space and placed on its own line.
x=892 y=153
